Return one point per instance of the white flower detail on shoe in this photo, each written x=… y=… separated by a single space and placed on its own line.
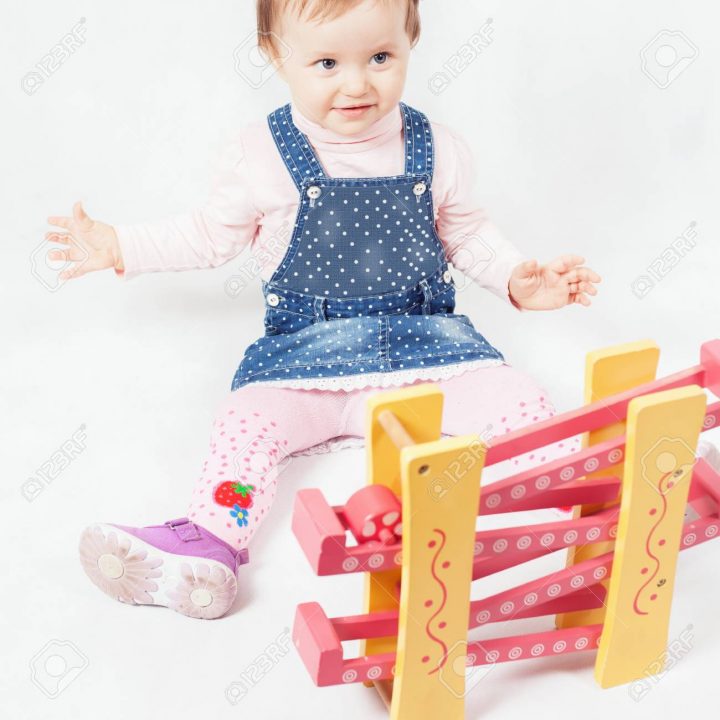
x=125 y=576
x=206 y=593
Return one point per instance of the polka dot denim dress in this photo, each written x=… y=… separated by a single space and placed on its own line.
x=364 y=286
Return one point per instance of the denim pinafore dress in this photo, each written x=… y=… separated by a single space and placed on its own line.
x=364 y=286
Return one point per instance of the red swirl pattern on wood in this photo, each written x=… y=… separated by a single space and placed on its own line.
x=663 y=487
x=441 y=607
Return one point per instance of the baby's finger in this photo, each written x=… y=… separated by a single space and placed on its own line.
x=73 y=253
x=64 y=238
x=581 y=274
x=565 y=262
x=588 y=274
x=60 y=221
x=75 y=271
x=582 y=299
x=83 y=268
x=587 y=287
x=81 y=217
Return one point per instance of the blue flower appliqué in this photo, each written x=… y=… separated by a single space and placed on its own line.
x=240 y=515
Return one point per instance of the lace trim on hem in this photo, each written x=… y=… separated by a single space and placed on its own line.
x=383 y=379
x=342 y=442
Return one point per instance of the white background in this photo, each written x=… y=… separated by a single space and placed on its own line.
x=577 y=150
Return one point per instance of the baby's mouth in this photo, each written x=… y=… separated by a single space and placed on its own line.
x=354 y=111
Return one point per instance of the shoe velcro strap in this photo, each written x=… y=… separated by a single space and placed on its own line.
x=185 y=529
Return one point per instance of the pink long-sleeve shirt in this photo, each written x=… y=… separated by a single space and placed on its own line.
x=253 y=202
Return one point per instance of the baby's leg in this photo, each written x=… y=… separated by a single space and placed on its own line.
x=495 y=400
x=255 y=431
x=190 y=563
x=489 y=401
x=507 y=399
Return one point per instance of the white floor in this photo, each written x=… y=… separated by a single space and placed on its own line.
x=128 y=661
x=580 y=152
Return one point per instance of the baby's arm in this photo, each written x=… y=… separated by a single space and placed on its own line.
x=473 y=243
x=206 y=237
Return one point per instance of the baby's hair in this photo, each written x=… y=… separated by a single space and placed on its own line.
x=268 y=12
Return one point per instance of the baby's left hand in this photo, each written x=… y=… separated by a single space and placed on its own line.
x=552 y=286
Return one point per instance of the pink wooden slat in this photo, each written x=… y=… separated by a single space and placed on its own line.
x=699 y=531
x=317 y=643
x=502 y=606
x=594 y=491
x=534 y=645
x=587 y=598
x=375 y=625
x=515 y=491
x=318 y=531
x=707 y=479
x=506 y=547
x=710 y=360
x=588 y=417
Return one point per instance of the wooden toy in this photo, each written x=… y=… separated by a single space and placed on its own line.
x=639 y=496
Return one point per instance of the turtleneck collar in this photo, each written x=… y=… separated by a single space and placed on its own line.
x=380 y=132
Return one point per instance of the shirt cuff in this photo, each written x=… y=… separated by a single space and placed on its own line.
x=127 y=251
x=502 y=290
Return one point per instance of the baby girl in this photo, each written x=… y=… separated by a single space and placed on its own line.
x=354 y=205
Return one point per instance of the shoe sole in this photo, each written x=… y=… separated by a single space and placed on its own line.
x=132 y=571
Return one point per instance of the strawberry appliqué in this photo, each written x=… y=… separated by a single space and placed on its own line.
x=229 y=494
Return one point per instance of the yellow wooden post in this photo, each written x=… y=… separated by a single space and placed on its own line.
x=438 y=545
x=662 y=434
x=608 y=371
x=418 y=408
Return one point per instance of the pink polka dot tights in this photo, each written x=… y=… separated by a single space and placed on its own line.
x=258 y=428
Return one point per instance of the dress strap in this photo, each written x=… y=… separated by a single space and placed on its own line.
x=294 y=146
x=302 y=162
x=419 y=148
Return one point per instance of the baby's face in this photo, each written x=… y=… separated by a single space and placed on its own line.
x=359 y=58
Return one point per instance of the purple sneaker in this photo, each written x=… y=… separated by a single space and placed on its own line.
x=178 y=564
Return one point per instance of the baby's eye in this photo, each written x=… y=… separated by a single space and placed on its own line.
x=381 y=57
x=330 y=63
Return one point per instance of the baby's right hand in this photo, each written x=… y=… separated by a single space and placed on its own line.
x=91 y=243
